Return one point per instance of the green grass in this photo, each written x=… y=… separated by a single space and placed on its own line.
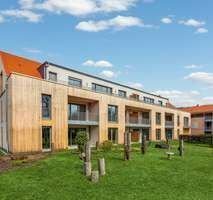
x=149 y=177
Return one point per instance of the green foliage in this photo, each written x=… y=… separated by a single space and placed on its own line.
x=81 y=139
x=107 y=145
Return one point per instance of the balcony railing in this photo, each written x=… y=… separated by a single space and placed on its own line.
x=169 y=123
x=138 y=122
x=83 y=117
x=111 y=94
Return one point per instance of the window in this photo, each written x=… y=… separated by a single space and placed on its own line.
x=102 y=89
x=121 y=93
x=186 y=121
x=46 y=106
x=53 y=76
x=158 y=134
x=72 y=133
x=134 y=96
x=148 y=100
x=46 y=138
x=169 y=134
x=113 y=135
x=74 y=81
x=178 y=120
x=160 y=103
x=158 y=118
x=77 y=112
x=112 y=113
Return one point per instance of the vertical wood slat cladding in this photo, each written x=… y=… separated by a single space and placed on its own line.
x=26 y=113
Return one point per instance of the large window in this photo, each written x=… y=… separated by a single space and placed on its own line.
x=46 y=138
x=121 y=93
x=77 y=112
x=178 y=120
x=148 y=100
x=158 y=134
x=186 y=122
x=53 y=76
x=158 y=118
x=101 y=88
x=112 y=113
x=113 y=135
x=46 y=106
x=74 y=81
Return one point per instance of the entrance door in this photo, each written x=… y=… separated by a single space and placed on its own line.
x=72 y=133
x=46 y=138
x=145 y=132
x=169 y=134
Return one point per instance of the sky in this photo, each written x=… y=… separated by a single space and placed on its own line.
x=160 y=46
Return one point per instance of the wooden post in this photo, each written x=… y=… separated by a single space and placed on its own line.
x=181 y=146
x=97 y=145
x=95 y=176
x=127 y=145
x=87 y=151
x=143 y=144
x=87 y=168
x=101 y=166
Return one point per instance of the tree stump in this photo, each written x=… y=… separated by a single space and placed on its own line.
x=87 y=168
x=101 y=166
x=87 y=151
x=181 y=146
x=143 y=144
x=95 y=176
x=127 y=145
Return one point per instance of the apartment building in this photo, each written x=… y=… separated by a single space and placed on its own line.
x=201 y=119
x=44 y=106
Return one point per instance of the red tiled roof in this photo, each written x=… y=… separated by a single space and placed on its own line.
x=12 y=63
x=198 y=109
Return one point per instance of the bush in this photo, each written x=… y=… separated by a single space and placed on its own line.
x=81 y=139
x=107 y=145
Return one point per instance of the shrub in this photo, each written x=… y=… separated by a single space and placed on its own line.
x=107 y=145
x=81 y=139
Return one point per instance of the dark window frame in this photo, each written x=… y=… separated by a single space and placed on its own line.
x=70 y=78
x=122 y=93
x=47 y=108
x=158 y=120
x=149 y=100
x=53 y=73
x=158 y=134
x=108 y=90
x=112 y=118
x=113 y=136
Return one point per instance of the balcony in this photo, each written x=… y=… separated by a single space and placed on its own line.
x=135 y=122
x=83 y=118
x=169 y=124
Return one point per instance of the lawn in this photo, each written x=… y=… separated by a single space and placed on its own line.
x=149 y=177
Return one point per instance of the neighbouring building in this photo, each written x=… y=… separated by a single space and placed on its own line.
x=44 y=106
x=201 y=119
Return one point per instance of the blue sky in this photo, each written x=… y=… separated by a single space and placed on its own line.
x=161 y=46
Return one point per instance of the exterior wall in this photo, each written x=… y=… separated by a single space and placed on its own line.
x=26 y=121
x=63 y=74
x=198 y=125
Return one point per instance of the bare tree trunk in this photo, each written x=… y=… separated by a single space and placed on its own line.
x=127 y=145
x=181 y=146
x=87 y=152
x=101 y=166
x=87 y=168
x=143 y=144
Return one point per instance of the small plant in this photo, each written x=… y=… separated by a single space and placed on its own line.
x=81 y=139
x=107 y=145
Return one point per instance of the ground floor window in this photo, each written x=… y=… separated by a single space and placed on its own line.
x=46 y=137
x=158 y=134
x=72 y=133
x=113 y=135
x=169 y=134
x=145 y=131
x=135 y=135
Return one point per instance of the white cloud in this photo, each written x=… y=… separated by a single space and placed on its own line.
x=193 y=66
x=100 y=63
x=166 y=20
x=136 y=85
x=79 y=7
x=1 y=19
x=119 y=22
x=203 y=77
x=202 y=30
x=25 y=14
x=192 y=22
x=108 y=74
x=181 y=98
x=31 y=50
